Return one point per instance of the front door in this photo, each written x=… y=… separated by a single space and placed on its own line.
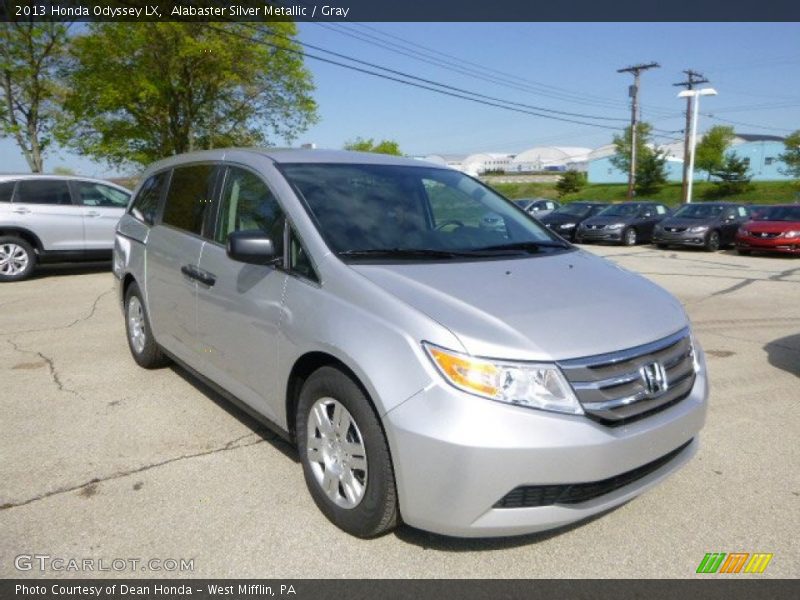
x=239 y=317
x=102 y=207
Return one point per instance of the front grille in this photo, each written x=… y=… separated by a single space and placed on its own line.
x=628 y=385
x=675 y=229
x=575 y=493
x=765 y=235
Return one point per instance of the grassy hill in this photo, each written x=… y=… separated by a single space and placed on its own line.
x=761 y=192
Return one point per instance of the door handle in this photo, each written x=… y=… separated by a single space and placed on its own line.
x=92 y=213
x=203 y=277
x=21 y=210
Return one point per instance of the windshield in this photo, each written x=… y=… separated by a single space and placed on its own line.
x=779 y=213
x=699 y=211
x=574 y=210
x=413 y=213
x=620 y=210
x=523 y=204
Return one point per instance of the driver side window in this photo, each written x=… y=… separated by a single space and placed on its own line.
x=249 y=205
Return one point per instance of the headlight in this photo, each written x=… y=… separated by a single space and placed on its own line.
x=566 y=226
x=791 y=234
x=615 y=226
x=533 y=385
x=698 y=229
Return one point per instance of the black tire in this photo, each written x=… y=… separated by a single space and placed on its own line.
x=13 y=251
x=712 y=241
x=743 y=252
x=376 y=513
x=148 y=354
x=629 y=237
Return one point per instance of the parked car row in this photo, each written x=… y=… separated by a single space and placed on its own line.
x=45 y=218
x=708 y=225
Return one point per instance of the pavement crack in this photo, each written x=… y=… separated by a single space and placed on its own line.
x=231 y=445
x=91 y=313
x=54 y=374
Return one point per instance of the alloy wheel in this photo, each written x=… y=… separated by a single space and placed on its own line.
x=336 y=453
x=136 y=326
x=14 y=259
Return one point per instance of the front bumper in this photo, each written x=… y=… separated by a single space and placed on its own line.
x=781 y=245
x=684 y=238
x=599 y=235
x=456 y=456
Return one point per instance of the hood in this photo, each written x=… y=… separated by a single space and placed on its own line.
x=682 y=223
x=602 y=220
x=547 y=307
x=559 y=218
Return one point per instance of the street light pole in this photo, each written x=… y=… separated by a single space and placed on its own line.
x=695 y=98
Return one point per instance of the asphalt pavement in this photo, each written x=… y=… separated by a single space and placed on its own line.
x=102 y=460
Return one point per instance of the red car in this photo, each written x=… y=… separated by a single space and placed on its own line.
x=775 y=230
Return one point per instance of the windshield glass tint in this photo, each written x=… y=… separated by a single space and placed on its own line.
x=780 y=213
x=573 y=210
x=699 y=211
x=620 y=210
x=373 y=208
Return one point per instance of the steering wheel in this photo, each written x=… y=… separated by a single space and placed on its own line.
x=455 y=222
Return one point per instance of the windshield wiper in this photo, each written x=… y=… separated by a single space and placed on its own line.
x=527 y=246
x=408 y=253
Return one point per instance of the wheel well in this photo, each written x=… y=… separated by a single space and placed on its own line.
x=26 y=235
x=303 y=368
x=126 y=283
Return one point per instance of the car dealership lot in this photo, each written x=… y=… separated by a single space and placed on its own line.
x=102 y=459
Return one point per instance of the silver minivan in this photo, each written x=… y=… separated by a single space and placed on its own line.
x=466 y=380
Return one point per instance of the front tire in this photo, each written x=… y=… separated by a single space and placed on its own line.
x=630 y=237
x=345 y=456
x=146 y=352
x=712 y=241
x=17 y=258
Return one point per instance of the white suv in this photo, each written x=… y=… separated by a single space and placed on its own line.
x=49 y=218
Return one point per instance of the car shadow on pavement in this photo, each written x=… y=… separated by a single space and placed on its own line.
x=434 y=541
x=784 y=353
x=267 y=434
x=61 y=269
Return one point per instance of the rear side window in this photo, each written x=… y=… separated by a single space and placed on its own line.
x=248 y=205
x=97 y=194
x=145 y=206
x=46 y=191
x=6 y=190
x=190 y=194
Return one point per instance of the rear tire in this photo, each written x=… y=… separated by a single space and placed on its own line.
x=146 y=352
x=17 y=258
x=346 y=460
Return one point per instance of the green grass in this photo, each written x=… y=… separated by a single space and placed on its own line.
x=761 y=192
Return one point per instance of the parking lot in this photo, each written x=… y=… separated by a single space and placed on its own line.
x=101 y=459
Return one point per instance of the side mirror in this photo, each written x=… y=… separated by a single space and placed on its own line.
x=252 y=247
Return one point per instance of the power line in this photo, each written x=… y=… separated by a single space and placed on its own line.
x=716 y=118
x=445 y=92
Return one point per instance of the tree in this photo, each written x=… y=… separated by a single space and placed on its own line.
x=791 y=158
x=650 y=172
x=30 y=57
x=62 y=170
x=709 y=154
x=570 y=182
x=732 y=176
x=369 y=145
x=650 y=163
x=141 y=92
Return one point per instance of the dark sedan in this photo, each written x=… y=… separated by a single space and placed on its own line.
x=626 y=223
x=709 y=225
x=565 y=220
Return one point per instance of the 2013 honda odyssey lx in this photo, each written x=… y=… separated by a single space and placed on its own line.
x=465 y=380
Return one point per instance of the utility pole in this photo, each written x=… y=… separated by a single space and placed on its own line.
x=633 y=92
x=692 y=79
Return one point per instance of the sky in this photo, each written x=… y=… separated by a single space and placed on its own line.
x=569 y=67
